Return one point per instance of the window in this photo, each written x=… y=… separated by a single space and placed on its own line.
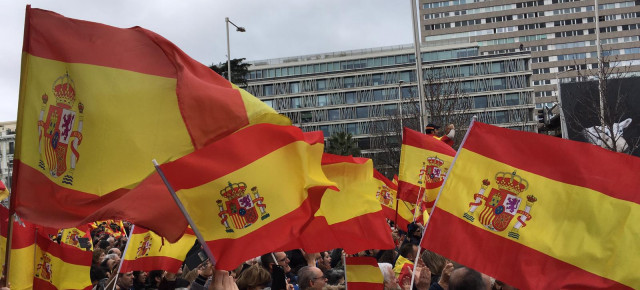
x=334 y=114
x=480 y=102
x=512 y=99
x=306 y=117
x=390 y=110
x=296 y=103
x=322 y=85
x=294 y=88
x=378 y=95
x=349 y=82
x=267 y=90
x=351 y=97
x=501 y=117
x=325 y=130
x=352 y=128
x=362 y=112
x=322 y=100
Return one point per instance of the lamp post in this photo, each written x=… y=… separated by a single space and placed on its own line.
x=401 y=102
x=563 y=123
x=240 y=29
x=416 y=44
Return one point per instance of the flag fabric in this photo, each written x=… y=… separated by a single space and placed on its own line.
x=60 y=266
x=387 y=194
x=252 y=191
x=73 y=237
x=114 y=228
x=424 y=162
x=363 y=273
x=97 y=103
x=22 y=250
x=352 y=218
x=538 y=212
x=146 y=251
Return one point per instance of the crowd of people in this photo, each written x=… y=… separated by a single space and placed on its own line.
x=289 y=270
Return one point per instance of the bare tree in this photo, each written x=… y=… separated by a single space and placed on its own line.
x=597 y=107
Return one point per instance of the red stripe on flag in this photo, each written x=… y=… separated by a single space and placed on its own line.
x=596 y=168
x=362 y=261
x=365 y=286
x=94 y=43
x=528 y=272
x=427 y=142
x=328 y=158
x=215 y=160
x=408 y=192
x=230 y=253
x=64 y=252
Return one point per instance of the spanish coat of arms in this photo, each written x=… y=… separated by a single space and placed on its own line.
x=43 y=270
x=502 y=204
x=432 y=172
x=240 y=210
x=144 y=246
x=61 y=132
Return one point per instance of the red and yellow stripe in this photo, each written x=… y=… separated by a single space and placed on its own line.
x=351 y=218
x=417 y=175
x=274 y=171
x=404 y=214
x=147 y=251
x=60 y=266
x=22 y=251
x=574 y=216
x=143 y=98
x=363 y=273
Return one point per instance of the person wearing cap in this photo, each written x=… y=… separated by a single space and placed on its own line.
x=449 y=133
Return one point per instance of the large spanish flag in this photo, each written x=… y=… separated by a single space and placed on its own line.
x=539 y=212
x=424 y=162
x=352 y=218
x=97 y=103
x=22 y=250
x=363 y=273
x=387 y=194
x=60 y=266
x=146 y=251
x=251 y=192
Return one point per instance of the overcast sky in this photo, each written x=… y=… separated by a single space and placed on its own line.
x=275 y=28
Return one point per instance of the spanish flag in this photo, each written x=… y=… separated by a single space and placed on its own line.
x=22 y=250
x=363 y=273
x=538 y=212
x=73 y=236
x=97 y=103
x=424 y=162
x=60 y=266
x=351 y=218
x=252 y=191
x=387 y=195
x=146 y=251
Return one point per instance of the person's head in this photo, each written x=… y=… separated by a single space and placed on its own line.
x=390 y=280
x=111 y=261
x=97 y=273
x=115 y=251
x=111 y=241
x=324 y=262
x=465 y=278
x=98 y=256
x=335 y=277
x=281 y=260
x=139 y=277
x=155 y=277
x=253 y=278
x=125 y=280
x=311 y=278
x=434 y=262
x=432 y=129
x=103 y=244
x=409 y=251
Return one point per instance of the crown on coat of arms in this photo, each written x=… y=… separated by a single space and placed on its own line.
x=64 y=90
x=435 y=161
x=233 y=190
x=511 y=182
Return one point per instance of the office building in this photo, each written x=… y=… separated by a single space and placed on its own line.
x=360 y=91
x=7 y=149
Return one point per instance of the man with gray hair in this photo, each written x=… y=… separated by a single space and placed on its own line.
x=390 y=280
x=311 y=278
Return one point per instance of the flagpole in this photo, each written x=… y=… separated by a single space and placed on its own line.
x=7 y=253
x=418 y=202
x=126 y=247
x=473 y=120
x=201 y=239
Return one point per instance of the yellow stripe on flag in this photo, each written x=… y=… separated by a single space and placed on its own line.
x=22 y=265
x=364 y=273
x=357 y=187
x=258 y=112
x=63 y=275
x=569 y=222
x=148 y=244
x=266 y=175
x=110 y=157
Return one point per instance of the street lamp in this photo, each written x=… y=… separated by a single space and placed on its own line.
x=563 y=123
x=400 y=97
x=240 y=29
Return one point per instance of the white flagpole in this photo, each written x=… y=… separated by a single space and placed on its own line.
x=126 y=247
x=413 y=276
x=344 y=261
x=201 y=239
